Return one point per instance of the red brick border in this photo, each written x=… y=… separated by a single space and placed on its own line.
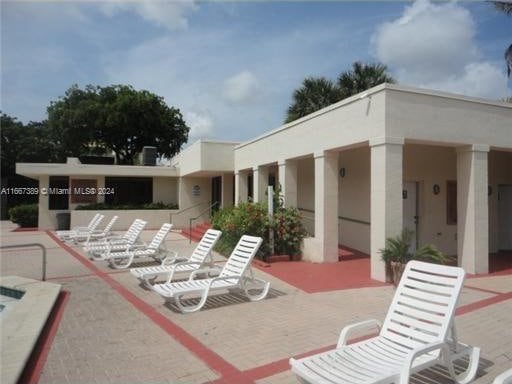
x=35 y=364
x=229 y=373
x=208 y=356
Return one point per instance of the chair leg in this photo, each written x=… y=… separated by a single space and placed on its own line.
x=469 y=374
x=262 y=294
x=191 y=308
x=117 y=262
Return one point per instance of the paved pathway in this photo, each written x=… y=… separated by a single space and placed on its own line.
x=114 y=331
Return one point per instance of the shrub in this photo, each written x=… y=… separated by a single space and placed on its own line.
x=25 y=215
x=104 y=206
x=245 y=219
x=288 y=231
x=398 y=249
x=252 y=219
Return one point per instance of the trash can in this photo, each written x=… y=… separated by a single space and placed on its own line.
x=63 y=220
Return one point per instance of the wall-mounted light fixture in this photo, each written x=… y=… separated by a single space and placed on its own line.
x=342 y=172
x=436 y=189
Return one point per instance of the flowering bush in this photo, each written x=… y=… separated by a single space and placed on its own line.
x=252 y=219
x=288 y=231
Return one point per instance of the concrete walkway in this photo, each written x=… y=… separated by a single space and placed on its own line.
x=114 y=331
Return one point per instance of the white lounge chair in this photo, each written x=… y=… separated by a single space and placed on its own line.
x=67 y=234
x=236 y=274
x=172 y=264
x=95 y=234
x=99 y=249
x=418 y=332
x=101 y=235
x=504 y=378
x=155 y=249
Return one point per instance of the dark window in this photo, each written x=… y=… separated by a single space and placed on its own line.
x=58 y=193
x=82 y=191
x=272 y=180
x=216 y=192
x=250 y=188
x=129 y=190
x=451 y=202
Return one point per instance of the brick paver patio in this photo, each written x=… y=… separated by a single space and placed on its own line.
x=115 y=331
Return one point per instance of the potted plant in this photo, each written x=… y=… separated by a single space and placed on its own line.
x=397 y=253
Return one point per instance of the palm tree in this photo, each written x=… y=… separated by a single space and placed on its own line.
x=318 y=93
x=362 y=77
x=506 y=7
x=314 y=94
x=503 y=6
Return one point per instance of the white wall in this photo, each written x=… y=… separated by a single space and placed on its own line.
x=165 y=190
x=500 y=173
x=430 y=165
x=437 y=117
x=350 y=121
x=354 y=199
x=206 y=156
x=190 y=205
x=427 y=165
x=154 y=217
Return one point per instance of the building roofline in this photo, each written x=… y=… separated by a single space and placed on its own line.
x=372 y=91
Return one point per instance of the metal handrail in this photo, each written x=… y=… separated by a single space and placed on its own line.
x=43 y=249
x=190 y=220
x=186 y=209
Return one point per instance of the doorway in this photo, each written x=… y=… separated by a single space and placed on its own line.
x=216 y=193
x=410 y=210
x=505 y=217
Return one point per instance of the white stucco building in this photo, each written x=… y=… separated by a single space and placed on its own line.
x=359 y=170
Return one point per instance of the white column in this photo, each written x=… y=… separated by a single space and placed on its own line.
x=386 y=198
x=324 y=247
x=288 y=181
x=44 y=220
x=260 y=183
x=240 y=187
x=472 y=208
x=227 y=190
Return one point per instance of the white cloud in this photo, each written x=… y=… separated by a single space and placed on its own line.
x=241 y=88
x=433 y=46
x=200 y=123
x=168 y=14
x=479 y=79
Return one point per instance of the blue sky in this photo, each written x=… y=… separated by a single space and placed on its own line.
x=231 y=67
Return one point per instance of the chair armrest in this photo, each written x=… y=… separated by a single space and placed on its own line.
x=136 y=246
x=215 y=279
x=171 y=258
x=345 y=332
x=406 y=370
x=199 y=271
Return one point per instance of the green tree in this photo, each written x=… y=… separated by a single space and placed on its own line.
x=314 y=94
x=318 y=93
x=506 y=8
x=71 y=121
x=117 y=118
x=362 y=77
x=24 y=143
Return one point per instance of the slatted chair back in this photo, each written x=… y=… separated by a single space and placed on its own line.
x=240 y=259
x=93 y=221
x=424 y=304
x=134 y=231
x=94 y=225
x=160 y=236
x=205 y=246
x=110 y=224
